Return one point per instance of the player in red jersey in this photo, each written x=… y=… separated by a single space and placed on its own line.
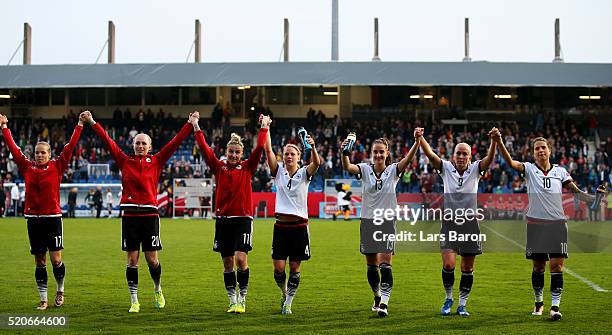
x=42 y=209
x=233 y=209
x=140 y=221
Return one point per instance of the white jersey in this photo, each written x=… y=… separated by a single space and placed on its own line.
x=544 y=191
x=109 y=198
x=460 y=190
x=292 y=191
x=341 y=201
x=378 y=191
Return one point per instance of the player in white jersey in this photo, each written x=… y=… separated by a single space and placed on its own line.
x=546 y=221
x=379 y=183
x=460 y=178
x=291 y=237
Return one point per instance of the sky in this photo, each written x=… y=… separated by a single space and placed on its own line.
x=155 y=31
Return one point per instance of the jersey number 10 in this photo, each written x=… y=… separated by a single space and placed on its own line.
x=546 y=182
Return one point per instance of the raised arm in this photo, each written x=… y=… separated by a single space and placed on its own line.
x=209 y=156
x=20 y=159
x=486 y=162
x=119 y=156
x=435 y=160
x=516 y=165
x=168 y=149
x=66 y=154
x=346 y=163
x=270 y=155
x=315 y=160
x=255 y=155
x=403 y=164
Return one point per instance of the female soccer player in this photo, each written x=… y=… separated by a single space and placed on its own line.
x=140 y=221
x=42 y=209
x=546 y=221
x=234 y=223
x=379 y=183
x=291 y=234
x=460 y=177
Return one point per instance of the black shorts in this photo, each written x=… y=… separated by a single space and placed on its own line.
x=453 y=233
x=375 y=238
x=291 y=242
x=546 y=238
x=45 y=233
x=137 y=230
x=344 y=208
x=233 y=234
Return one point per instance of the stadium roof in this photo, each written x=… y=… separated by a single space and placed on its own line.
x=308 y=73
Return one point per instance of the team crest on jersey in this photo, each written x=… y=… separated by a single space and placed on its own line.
x=239 y=167
x=148 y=160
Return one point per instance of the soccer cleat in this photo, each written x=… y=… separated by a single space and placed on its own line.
x=59 y=299
x=382 y=310
x=232 y=308
x=538 y=309
x=446 y=308
x=42 y=306
x=555 y=315
x=286 y=310
x=376 y=304
x=134 y=308
x=241 y=307
x=159 y=302
x=462 y=311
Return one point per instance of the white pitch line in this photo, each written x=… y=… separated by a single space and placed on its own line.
x=567 y=270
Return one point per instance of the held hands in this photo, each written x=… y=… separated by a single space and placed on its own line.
x=86 y=118
x=194 y=118
x=3 y=121
x=603 y=188
x=495 y=134
x=418 y=132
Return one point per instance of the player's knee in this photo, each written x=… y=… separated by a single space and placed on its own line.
x=539 y=267
x=448 y=266
x=40 y=259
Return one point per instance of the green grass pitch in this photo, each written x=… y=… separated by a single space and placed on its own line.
x=333 y=297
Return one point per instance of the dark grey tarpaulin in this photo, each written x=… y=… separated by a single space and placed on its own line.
x=308 y=73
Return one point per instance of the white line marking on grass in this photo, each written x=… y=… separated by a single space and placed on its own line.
x=567 y=270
